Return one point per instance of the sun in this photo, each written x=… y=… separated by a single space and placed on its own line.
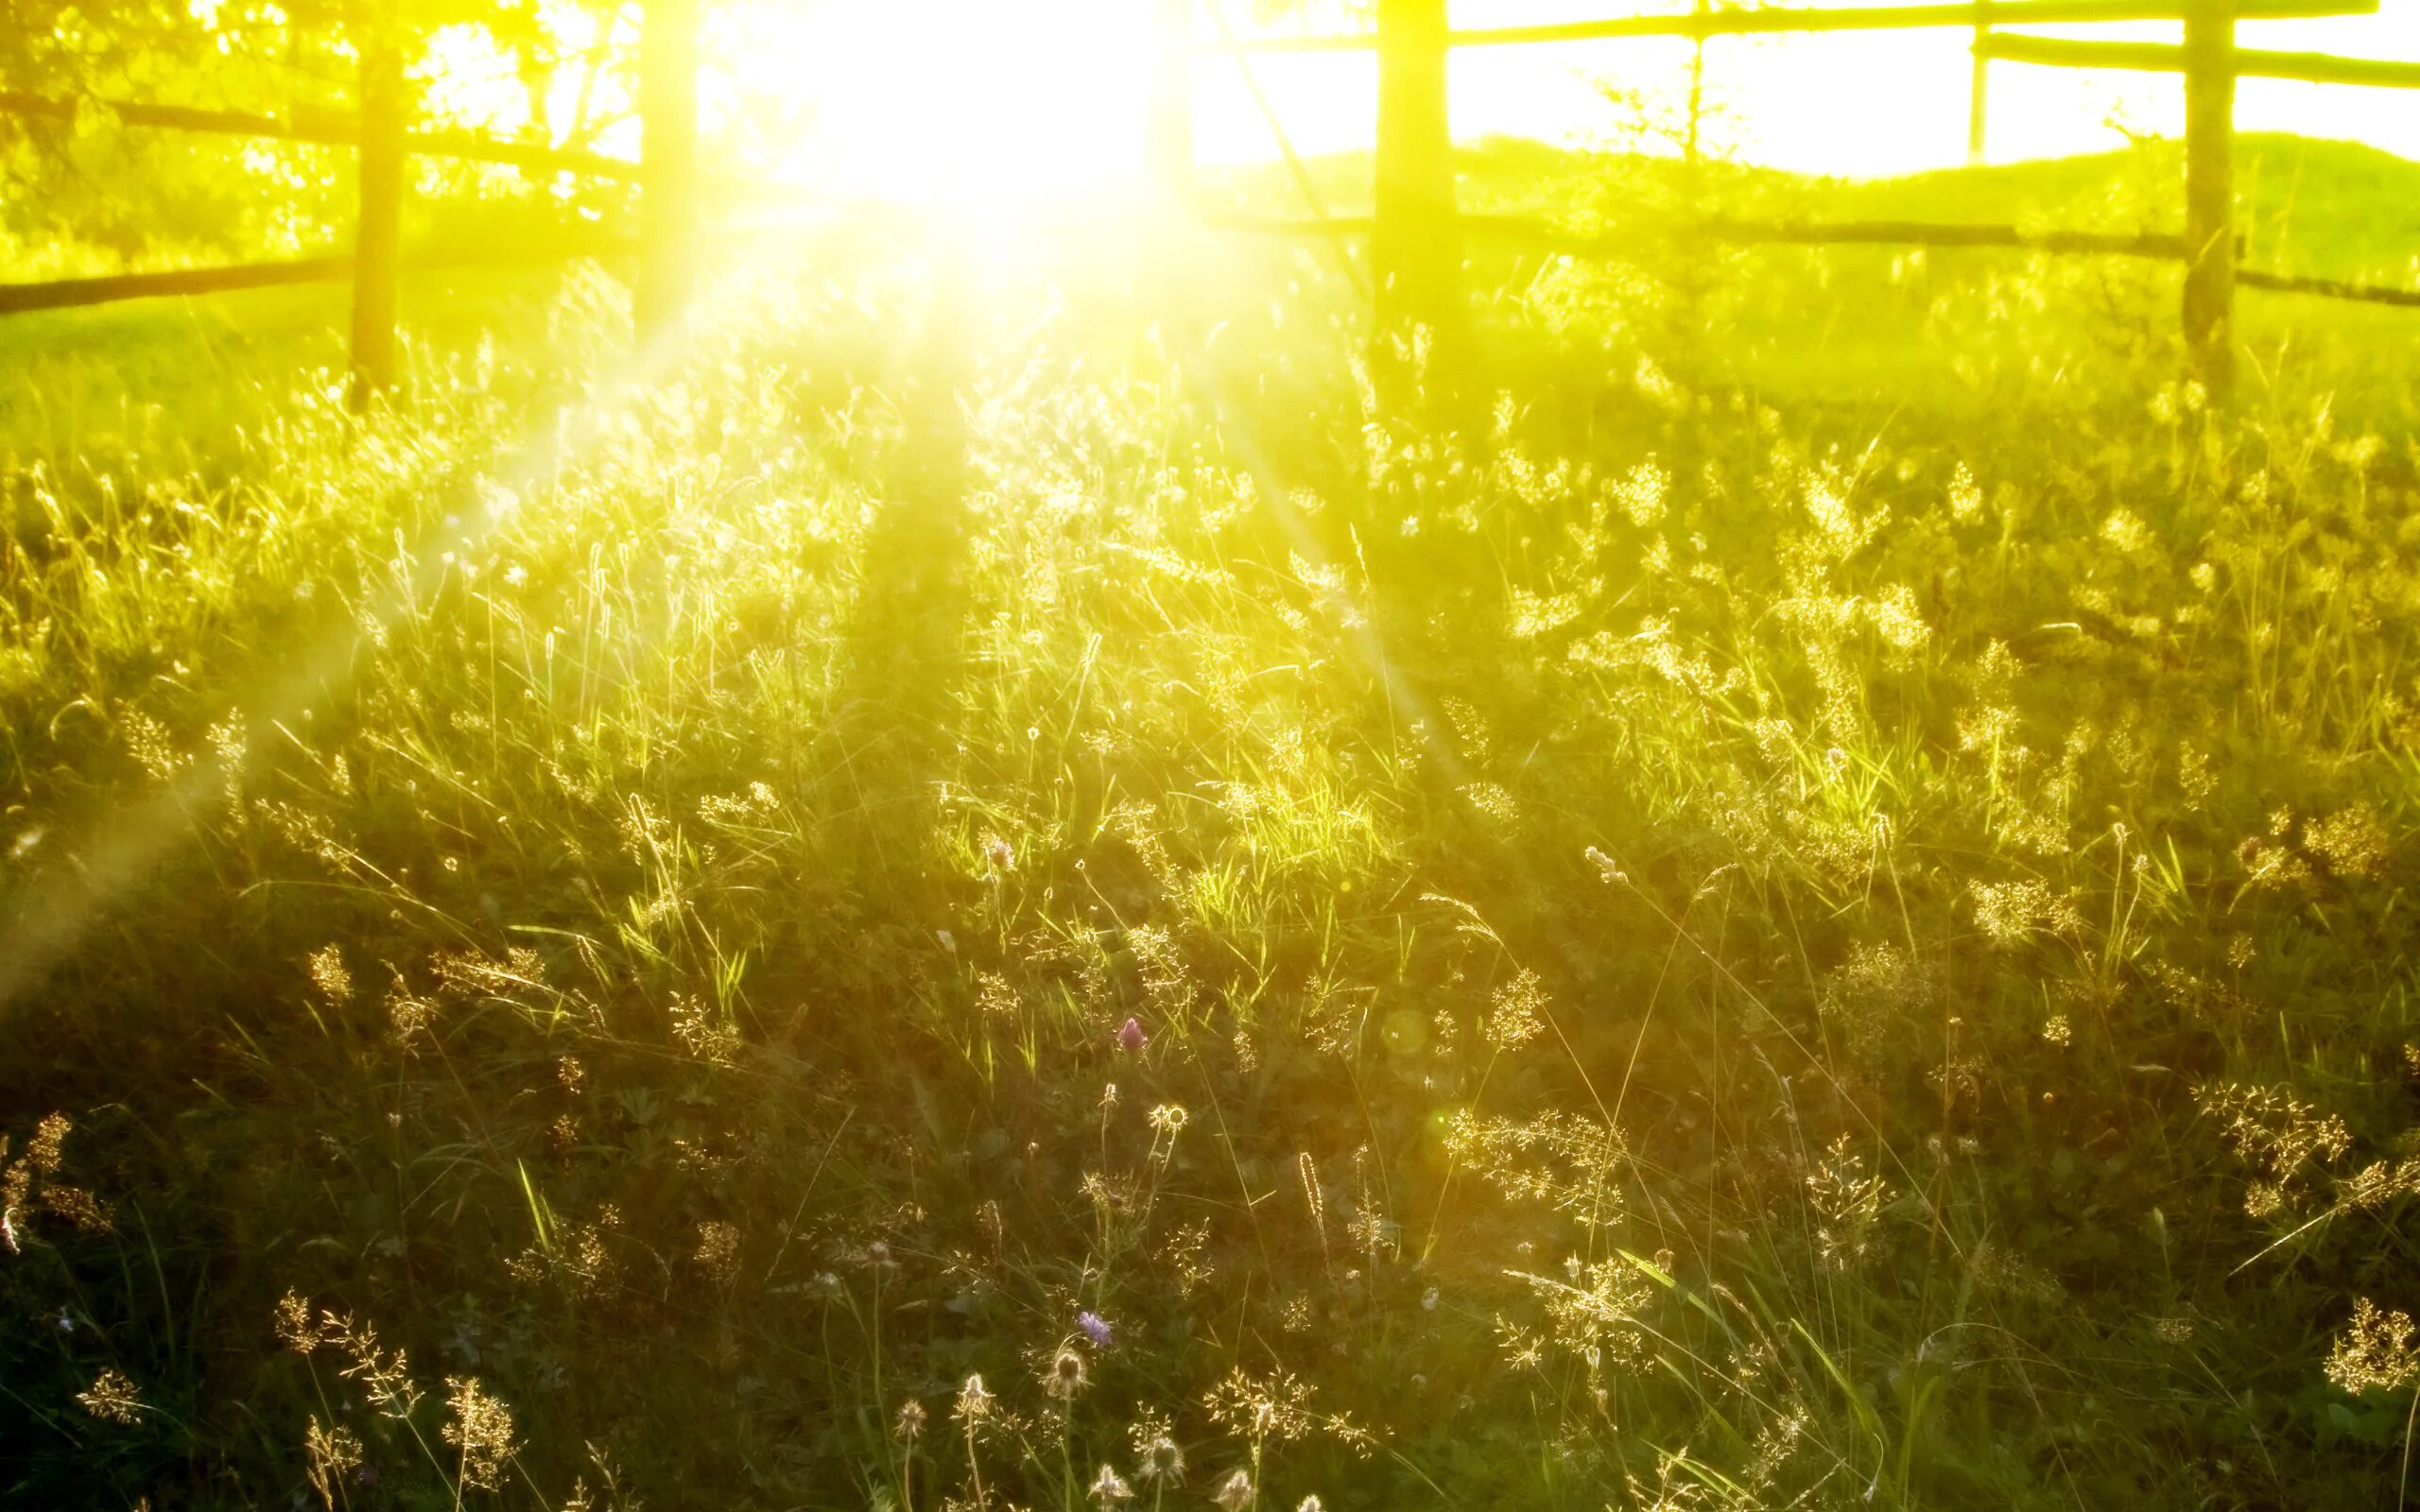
x=965 y=104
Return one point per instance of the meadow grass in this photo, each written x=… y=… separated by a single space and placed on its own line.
x=993 y=890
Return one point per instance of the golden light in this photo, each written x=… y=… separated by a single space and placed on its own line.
x=987 y=108
x=966 y=104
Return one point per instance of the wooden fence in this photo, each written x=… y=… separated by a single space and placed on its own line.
x=384 y=140
x=1416 y=230
x=1412 y=40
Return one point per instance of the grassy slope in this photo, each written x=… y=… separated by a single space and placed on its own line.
x=1990 y=334
x=1900 y=782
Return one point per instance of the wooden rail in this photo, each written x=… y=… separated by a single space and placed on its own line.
x=2162 y=58
x=2333 y=288
x=70 y=293
x=2154 y=246
x=1779 y=19
x=327 y=129
x=1529 y=231
x=1944 y=233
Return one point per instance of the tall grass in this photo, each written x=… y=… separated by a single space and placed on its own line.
x=957 y=905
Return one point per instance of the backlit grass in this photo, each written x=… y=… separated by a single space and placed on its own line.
x=1011 y=896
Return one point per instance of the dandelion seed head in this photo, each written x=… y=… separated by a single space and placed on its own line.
x=1235 y=1492
x=1066 y=1376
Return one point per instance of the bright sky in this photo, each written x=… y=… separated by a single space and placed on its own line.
x=921 y=98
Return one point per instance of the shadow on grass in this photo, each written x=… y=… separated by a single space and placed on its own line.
x=904 y=638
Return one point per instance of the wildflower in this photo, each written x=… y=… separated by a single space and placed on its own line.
x=329 y=975
x=718 y=1250
x=1965 y=495
x=18 y=1183
x=481 y=1428
x=385 y=1379
x=1130 y=1037
x=1109 y=1488
x=294 y=1325
x=1163 y=1462
x=1277 y=1408
x=1518 y=1014
x=2353 y=843
x=1235 y=1492
x=710 y=1036
x=1066 y=1377
x=974 y=1403
x=2375 y=1351
x=329 y=1456
x=908 y=1425
x=1848 y=1201
x=112 y=1397
x=1096 y=1328
x=1310 y=1504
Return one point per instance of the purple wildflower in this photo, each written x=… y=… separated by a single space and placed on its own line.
x=1096 y=1328
x=1130 y=1035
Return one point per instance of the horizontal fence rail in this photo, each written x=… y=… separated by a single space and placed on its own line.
x=2154 y=246
x=2161 y=57
x=1529 y=231
x=1942 y=233
x=1780 y=19
x=69 y=293
x=2333 y=288
x=327 y=129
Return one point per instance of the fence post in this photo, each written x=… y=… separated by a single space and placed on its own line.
x=378 y=224
x=1415 y=237
x=1689 y=147
x=2209 y=192
x=667 y=168
x=1978 y=88
x=1171 y=122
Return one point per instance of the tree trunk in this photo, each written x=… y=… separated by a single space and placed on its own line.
x=669 y=166
x=1415 y=243
x=378 y=226
x=2209 y=192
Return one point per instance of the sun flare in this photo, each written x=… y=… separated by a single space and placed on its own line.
x=956 y=101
